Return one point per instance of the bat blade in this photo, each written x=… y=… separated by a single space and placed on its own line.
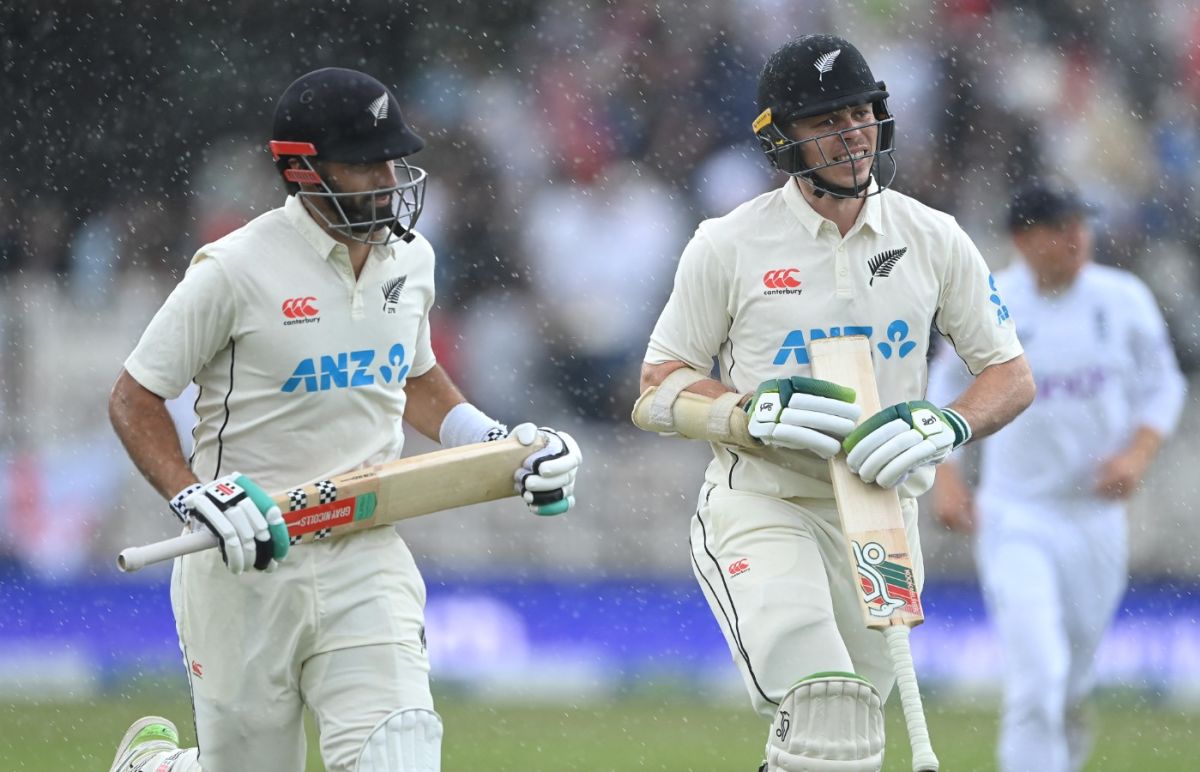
x=399 y=490
x=377 y=495
x=877 y=540
x=871 y=516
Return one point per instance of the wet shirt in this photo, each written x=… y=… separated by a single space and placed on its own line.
x=301 y=367
x=755 y=286
x=1103 y=363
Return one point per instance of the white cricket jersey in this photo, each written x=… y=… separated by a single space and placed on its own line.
x=301 y=367
x=753 y=287
x=1104 y=366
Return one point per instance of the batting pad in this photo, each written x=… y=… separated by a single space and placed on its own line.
x=829 y=722
x=406 y=741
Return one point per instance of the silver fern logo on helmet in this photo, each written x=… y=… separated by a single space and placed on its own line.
x=379 y=108
x=825 y=62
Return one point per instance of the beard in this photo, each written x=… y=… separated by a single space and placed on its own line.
x=364 y=215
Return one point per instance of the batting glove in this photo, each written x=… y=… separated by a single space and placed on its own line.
x=802 y=414
x=248 y=525
x=546 y=480
x=889 y=445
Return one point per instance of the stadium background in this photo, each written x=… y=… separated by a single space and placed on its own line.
x=572 y=148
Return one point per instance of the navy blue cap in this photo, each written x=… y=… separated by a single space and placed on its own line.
x=1043 y=201
x=349 y=116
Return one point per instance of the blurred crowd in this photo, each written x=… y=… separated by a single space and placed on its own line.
x=572 y=148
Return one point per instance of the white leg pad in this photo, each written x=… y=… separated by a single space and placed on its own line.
x=406 y=741
x=828 y=723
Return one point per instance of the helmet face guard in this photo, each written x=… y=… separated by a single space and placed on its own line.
x=359 y=216
x=787 y=154
x=345 y=116
x=814 y=75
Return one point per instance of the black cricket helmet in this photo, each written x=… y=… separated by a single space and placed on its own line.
x=346 y=116
x=813 y=75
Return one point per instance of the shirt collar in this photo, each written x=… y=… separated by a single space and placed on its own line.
x=871 y=215
x=321 y=242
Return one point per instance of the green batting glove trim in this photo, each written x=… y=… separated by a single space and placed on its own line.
x=831 y=674
x=256 y=494
x=766 y=387
x=557 y=508
x=820 y=388
x=280 y=539
x=887 y=415
x=798 y=384
x=903 y=411
x=962 y=429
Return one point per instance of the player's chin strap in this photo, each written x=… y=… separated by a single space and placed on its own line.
x=668 y=409
x=821 y=187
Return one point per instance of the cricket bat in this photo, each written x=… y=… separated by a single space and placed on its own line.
x=876 y=539
x=377 y=495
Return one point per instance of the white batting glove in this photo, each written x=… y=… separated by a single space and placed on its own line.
x=246 y=522
x=546 y=480
x=802 y=414
x=889 y=445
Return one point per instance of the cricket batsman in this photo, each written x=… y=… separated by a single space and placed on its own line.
x=307 y=332
x=834 y=251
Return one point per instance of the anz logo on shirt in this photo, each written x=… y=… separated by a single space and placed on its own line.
x=347 y=370
x=896 y=344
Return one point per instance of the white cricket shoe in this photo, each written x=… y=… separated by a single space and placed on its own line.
x=148 y=735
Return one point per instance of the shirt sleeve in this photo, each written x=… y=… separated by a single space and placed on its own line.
x=423 y=357
x=971 y=310
x=948 y=376
x=1159 y=387
x=195 y=322
x=695 y=321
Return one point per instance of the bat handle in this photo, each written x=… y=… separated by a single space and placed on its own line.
x=923 y=758
x=133 y=558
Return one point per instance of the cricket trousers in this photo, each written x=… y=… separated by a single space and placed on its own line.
x=1053 y=574
x=337 y=627
x=778 y=578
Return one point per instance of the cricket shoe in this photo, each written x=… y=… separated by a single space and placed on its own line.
x=149 y=735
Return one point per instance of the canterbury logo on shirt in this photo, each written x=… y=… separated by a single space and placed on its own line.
x=300 y=310
x=781 y=281
x=347 y=370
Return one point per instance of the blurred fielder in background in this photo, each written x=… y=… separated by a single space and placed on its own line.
x=1049 y=516
x=307 y=332
x=831 y=252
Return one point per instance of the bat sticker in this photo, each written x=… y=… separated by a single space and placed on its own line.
x=886 y=586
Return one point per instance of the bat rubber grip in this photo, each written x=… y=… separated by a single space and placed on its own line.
x=133 y=558
x=923 y=758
